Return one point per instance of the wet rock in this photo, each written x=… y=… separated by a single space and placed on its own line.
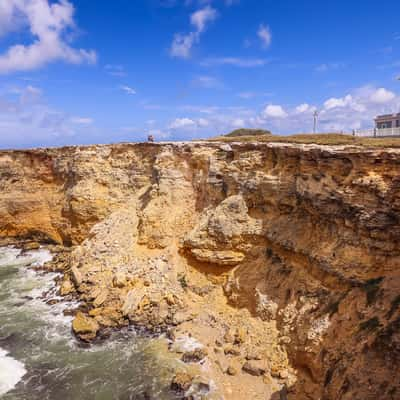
x=66 y=287
x=181 y=382
x=194 y=356
x=31 y=246
x=69 y=312
x=51 y=302
x=84 y=326
x=199 y=389
x=252 y=369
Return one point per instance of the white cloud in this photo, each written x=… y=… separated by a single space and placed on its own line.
x=48 y=24
x=334 y=102
x=202 y=122
x=188 y=123
x=9 y=19
x=235 y=61
x=180 y=123
x=27 y=120
x=128 y=89
x=274 y=111
x=304 y=108
x=82 y=120
x=201 y=18
x=264 y=33
x=355 y=109
x=238 y=123
x=382 y=96
x=182 y=44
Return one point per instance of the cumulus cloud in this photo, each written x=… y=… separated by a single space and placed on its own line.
x=265 y=35
x=305 y=108
x=179 y=123
x=182 y=44
x=334 y=102
x=201 y=18
x=274 y=111
x=25 y=113
x=188 y=124
x=48 y=24
x=382 y=96
x=355 y=109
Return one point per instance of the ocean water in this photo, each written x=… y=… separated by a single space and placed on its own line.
x=40 y=359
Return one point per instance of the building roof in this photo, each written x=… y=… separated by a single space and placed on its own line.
x=387 y=116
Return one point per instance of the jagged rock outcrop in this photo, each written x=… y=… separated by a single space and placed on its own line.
x=223 y=235
x=302 y=241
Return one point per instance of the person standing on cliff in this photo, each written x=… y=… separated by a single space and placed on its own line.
x=150 y=138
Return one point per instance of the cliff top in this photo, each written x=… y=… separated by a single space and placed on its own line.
x=327 y=142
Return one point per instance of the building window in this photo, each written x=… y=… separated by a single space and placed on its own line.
x=398 y=123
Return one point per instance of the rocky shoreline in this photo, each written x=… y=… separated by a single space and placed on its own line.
x=278 y=260
x=213 y=347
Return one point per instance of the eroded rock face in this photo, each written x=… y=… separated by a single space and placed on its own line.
x=223 y=234
x=301 y=240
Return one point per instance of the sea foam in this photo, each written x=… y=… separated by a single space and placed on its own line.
x=11 y=372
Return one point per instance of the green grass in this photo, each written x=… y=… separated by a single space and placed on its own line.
x=247 y=132
x=331 y=139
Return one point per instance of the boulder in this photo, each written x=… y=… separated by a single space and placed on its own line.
x=84 y=326
x=119 y=280
x=132 y=301
x=66 y=287
x=231 y=350
x=31 y=246
x=231 y=370
x=181 y=382
x=222 y=257
x=101 y=298
x=252 y=369
x=76 y=276
x=195 y=355
x=220 y=236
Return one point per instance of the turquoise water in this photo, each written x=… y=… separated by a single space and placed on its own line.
x=41 y=360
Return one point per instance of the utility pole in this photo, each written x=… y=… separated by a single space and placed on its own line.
x=315 y=115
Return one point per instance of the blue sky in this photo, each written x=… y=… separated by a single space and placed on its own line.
x=79 y=71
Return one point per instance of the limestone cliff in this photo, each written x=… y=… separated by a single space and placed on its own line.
x=300 y=241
